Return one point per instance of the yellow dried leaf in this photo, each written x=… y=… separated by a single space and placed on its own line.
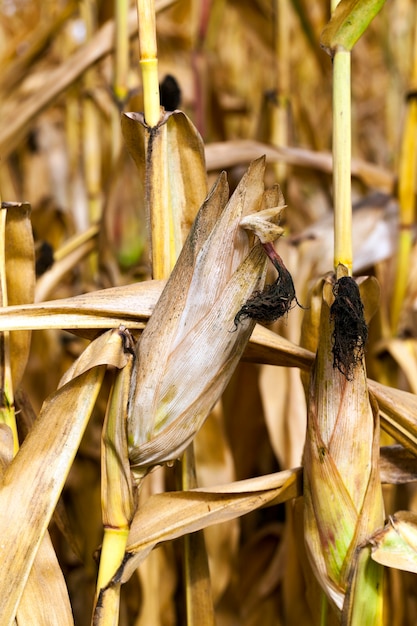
x=20 y=277
x=166 y=516
x=38 y=471
x=396 y=544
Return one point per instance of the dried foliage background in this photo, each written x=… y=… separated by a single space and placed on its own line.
x=62 y=152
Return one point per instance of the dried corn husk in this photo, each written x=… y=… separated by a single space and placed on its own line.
x=343 y=498
x=191 y=345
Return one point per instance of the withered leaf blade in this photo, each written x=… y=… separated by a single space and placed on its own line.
x=20 y=277
x=166 y=516
x=45 y=597
x=396 y=544
x=38 y=472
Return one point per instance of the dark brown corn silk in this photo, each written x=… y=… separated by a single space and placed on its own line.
x=350 y=330
x=274 y=301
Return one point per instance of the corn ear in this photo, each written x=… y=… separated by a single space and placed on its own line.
x=343 y=498
x=180 y=373
x=118 y=496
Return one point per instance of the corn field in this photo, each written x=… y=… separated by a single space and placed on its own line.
x=208 y=313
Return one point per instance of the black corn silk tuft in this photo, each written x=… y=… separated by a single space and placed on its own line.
x=44 y=258
x=169 y=93
x=274 y=302
x=350 y=330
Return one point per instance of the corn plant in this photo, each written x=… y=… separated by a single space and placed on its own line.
x=208 y=412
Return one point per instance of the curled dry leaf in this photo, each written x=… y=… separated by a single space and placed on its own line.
x=190 y=346
x=396 y=544
x=19 y=254
x=170 y=160
x=167 y=516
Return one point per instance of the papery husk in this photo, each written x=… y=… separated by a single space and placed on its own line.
x=118 y=496
x=180 y=373
x=343 y=497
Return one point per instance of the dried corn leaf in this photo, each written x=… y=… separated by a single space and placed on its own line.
x=396 y=544
x=20 y=114
x=107 y=349
x=45 y=600
x=226 y=154
x=20 y=277
x=398 y=413
x=265 y=346
x=397 y=465
x=130 y=305
x=167 y=516
x=34 y=479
